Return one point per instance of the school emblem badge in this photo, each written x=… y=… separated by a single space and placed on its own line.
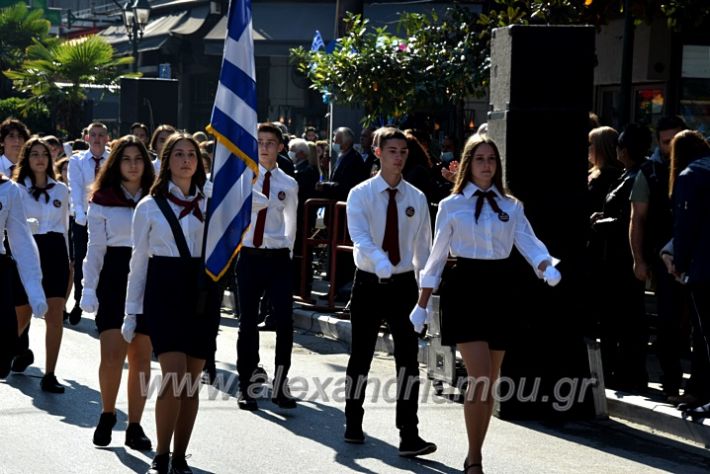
x=282 y=195
x=409 y=211
x=57 y=203
x=503 y=216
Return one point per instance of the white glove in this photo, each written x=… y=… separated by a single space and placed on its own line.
x=418 y=317
x=259 y=201
x=39 y=307
x=89 y=302
x=383 y=269
x=552 y=276
x=33 y=225
x=128 y=328
x=207 y=188
x=80 y=218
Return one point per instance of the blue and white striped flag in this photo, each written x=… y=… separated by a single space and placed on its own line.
x=234 y=124
x=317 y=42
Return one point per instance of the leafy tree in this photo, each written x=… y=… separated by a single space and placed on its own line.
x=37 y=118
x=55 y=76
x=20 y=28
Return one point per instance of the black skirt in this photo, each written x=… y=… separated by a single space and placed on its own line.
x=111 y=291
x=54 y=261
x=476 y=303
x=173 y=287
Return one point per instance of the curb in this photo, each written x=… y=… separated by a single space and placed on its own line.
x=659 y=419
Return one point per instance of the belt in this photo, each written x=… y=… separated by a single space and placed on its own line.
x=372 y=278
x=265 y=252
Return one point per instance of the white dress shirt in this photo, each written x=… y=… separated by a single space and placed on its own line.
x=5 y=165
x=156 y=166
x=23 y=247
x=282 y=203
x=109 y=226
x=48 y=216
x=457 y=233
x=152 y=236
x=367 y=218
x=82 y=173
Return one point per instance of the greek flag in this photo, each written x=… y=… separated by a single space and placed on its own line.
x=234 y=124
x=318 y=42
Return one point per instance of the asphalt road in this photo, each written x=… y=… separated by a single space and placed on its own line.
x=43 y=433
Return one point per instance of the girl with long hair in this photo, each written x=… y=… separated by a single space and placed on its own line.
x=164 y=285
x=122 y=182
x=478 y=225
x=46 y=205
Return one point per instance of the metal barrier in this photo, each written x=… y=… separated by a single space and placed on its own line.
x=337 y=239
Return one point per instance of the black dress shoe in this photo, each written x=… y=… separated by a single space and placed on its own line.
x=75 y=315
x=354 y=434
x=282 y=397
x=410 y=447
x=247 y=402
x=5 y=365
x=102 y=433
x=66 y=315
x=23 y=360
x=266 y=326
x=160 y=464
x=50 y=384
x=136 y=438
x=178 y=465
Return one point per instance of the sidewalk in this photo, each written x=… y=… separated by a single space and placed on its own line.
x=639 y=411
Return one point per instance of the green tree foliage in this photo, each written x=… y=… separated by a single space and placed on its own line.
x=38 y=119
x=430 y=62
x=55 y=76
x=19 y=28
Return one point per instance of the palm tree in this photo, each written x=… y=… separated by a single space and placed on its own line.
x=20 y=27
x=56 y=76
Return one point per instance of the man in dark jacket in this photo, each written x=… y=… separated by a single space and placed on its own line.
x=349 y=169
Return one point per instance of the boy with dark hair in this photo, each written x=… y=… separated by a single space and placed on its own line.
x=388 y=220
x=264 y=267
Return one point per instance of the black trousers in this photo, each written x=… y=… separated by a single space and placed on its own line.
x=372 y=303
x=672 y=342
x=700 y=296
x=81 y=239
x=8 y=319
x=264 y=272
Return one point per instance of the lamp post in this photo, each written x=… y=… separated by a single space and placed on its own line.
x=135 y=17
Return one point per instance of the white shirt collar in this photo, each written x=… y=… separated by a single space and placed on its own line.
x=263 y=170
x=28 y=182
x=175 y=189
x=138 y=195
x=471 y=188
x=380 y=184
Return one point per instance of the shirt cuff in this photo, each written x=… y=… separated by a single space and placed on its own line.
x=134 y=308
x=428 y=281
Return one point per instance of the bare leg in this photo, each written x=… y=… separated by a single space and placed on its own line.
x=188 y=407
x=113 y=353
x=139 y=351
x=173 y=366
x=496 y=361
x=24 y=314
x=55 y=327
x=478 y=403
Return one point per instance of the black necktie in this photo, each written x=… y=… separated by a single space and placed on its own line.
x=486 y=195
x=12 y=170
x=37 y=192
x=390 y=243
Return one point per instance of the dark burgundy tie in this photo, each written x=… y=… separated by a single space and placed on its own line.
x=188 y=206
x=486 y=195
x=37 y=192
x=12 y=170
x=390 y=243
x=97 y=164
x=261 y=216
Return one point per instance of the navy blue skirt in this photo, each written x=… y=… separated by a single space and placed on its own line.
x=170 y=305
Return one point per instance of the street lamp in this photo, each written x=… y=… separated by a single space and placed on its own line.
x=135 y=17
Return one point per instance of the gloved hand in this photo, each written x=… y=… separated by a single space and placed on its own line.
x=80 y=218
x=128 y=328
x=33 y=224
x=207 y=188
x=39 y=307
x=418 y=317
x=259 y=201
x=89 y=302
x=383 y=269
x=552 y=276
